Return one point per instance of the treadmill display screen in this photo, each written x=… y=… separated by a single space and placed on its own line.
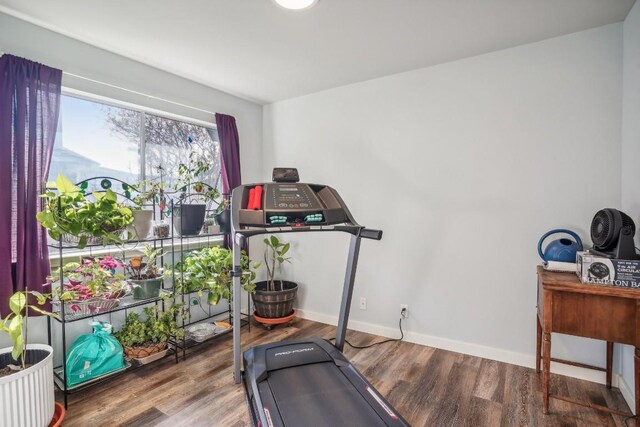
x=291 y=197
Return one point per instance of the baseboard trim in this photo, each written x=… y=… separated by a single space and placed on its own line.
x=626 y=393
x=500 y=355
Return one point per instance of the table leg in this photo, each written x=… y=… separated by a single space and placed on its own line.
x=609 y=362
x=637 y=381
x=546 y=370
x=538 y=343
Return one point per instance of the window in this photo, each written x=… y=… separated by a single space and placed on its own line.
x=100 y=140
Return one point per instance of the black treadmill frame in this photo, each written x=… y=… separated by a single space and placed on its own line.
x=240 y=236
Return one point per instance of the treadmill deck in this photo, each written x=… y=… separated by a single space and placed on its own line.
x=319 y=392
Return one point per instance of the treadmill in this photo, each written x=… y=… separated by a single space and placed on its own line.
x=303 y=382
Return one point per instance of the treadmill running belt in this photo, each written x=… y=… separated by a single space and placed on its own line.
x=319 y=395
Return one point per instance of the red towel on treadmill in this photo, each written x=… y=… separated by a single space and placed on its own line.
x=250 y=202
x=257 y=197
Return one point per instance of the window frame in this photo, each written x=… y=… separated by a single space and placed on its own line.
x=87 y=96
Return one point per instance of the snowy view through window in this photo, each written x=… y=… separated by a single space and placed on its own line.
x=99 y=140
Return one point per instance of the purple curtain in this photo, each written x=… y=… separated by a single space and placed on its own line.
x=230 y=149
x=29 y=108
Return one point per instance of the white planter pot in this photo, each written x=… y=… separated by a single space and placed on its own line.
x=141 y=224
x=27 y=397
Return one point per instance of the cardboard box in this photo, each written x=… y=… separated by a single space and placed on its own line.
x=608 y=271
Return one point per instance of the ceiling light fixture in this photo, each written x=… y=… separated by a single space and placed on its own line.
x=296 y=4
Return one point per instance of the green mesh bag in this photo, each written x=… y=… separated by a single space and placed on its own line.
x=93 y=355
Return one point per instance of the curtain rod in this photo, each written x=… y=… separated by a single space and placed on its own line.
x=133 y=91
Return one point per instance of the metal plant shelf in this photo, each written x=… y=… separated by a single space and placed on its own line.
x=125 y=243
x=59 y=378
x=188 y=343
x=174 y=246
x=125 y=304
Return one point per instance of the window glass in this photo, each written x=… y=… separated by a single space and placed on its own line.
x=168 y=143
x=95 y=139
x=99 y=140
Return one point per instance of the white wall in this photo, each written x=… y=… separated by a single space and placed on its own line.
x=72 y=56
x=464 y=166
x=631 y=149
x=23 y=39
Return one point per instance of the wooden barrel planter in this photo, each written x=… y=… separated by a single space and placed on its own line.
x=274 y=304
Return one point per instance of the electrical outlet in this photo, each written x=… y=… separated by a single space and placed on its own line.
x=404 y=311
x=363 y=303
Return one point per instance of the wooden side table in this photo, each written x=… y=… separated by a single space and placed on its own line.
x=567 y=306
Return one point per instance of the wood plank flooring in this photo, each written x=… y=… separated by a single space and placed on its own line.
x=429 y=387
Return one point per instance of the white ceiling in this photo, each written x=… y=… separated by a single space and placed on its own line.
x=262 y=52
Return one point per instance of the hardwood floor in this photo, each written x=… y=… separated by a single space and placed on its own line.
x=429 y=387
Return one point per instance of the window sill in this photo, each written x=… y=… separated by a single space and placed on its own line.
x=134 y=248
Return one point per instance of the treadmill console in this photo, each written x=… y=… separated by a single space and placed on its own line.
x=282 y=197
x=290 y=204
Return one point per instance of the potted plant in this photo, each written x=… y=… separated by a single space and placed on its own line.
x=92 y=286
x=222 y=215
x=189 y=212
x=26 y=370
x=141 y=339
x=145 y=276
x=148 y=191
x=69 y=216
x=209 y=270
x=273 y=299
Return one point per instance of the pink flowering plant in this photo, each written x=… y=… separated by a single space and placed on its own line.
x=90 y=278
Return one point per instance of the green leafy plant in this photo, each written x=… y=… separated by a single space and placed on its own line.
x=158 y=326
x=90 y=278
x=275 y=252
x=148 y=191
x=15 y=324
x=209 y=270
x=68 y=211
x=190 y=177
x=139 y=269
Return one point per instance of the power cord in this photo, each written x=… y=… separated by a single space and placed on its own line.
x=380 y=342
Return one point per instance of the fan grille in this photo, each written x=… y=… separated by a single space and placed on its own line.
x=606 y=226
x=601 y=228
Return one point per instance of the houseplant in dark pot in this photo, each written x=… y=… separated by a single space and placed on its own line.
x=26 y=371
x=273 y=299
x=144 y=274
x=190 y=209
x=222 y=215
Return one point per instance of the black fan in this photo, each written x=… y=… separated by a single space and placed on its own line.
x=612 y=234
